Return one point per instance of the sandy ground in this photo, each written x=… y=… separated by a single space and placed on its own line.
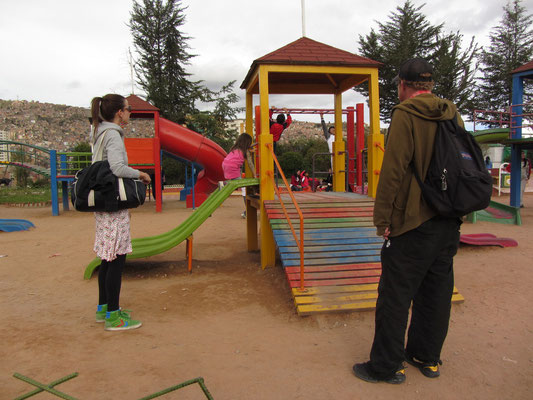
x=233 y=323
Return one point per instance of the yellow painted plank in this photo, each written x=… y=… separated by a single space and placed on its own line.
x=317 y=309
x=308 y=309
x=311 y=291
x=334 y=298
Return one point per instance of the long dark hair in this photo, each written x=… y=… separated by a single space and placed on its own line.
x=105 y=108
x=243 y=143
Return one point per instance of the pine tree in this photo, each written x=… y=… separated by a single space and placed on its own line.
x=454 y=70
x=511 y=45
x=163 y=57
x=405 y=35
x=409 y=34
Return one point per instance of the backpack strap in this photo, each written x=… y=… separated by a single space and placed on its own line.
x=415 y=172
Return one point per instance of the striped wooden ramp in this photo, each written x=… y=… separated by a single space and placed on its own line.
x=342 y=252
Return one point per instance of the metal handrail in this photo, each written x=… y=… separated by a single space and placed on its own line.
x=300 y=215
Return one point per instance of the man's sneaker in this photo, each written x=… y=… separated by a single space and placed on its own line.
x=362 y=372
x=243 y=215
x=429 y=369
x=101 y=311
x=220 y=185
x=120 y=321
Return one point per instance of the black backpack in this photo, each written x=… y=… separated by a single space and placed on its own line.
x=457 y=181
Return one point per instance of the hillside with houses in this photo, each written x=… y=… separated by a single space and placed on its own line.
x=62 y=127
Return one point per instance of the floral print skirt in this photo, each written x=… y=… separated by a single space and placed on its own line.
x=112 y=234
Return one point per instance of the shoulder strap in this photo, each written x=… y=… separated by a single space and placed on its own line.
x=98 y=151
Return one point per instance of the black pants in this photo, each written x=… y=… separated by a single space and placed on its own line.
x=417 y=267
x=110 y=282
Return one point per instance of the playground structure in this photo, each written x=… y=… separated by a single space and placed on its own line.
x=306 y=67
x=509 y=133
x=511 y=124
x=355 y=142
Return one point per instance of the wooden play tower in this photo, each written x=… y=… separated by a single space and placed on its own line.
x=307 y=67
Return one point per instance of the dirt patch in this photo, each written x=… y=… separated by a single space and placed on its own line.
x=234 y=324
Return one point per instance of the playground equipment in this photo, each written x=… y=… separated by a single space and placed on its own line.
x=355 y=141
x=13 y=225
x=513 y=121
x=307 y=67
x=487 y=239
x=177 y=140
x=41 y=387
x=152 y=245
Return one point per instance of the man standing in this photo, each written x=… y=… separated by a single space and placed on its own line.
x=417 y=255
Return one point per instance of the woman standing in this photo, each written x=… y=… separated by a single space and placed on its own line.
x=112 y=241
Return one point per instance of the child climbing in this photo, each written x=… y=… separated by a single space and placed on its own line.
x=279 y=125
x=234 y=161
x=329 y=135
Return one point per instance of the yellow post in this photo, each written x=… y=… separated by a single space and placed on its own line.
x=268 y=246
x=252 y=240
x=375 y=139
x=339 y=159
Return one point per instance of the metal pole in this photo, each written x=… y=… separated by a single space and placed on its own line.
x=303 y=18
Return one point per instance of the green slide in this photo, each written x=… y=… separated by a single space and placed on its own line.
x=152 y=245
x=497 y=135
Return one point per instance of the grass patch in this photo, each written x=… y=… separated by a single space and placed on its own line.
x=24 y=195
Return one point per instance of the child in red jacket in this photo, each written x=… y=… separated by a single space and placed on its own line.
x=279 y=125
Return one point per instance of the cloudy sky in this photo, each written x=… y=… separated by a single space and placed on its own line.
x=68 y=51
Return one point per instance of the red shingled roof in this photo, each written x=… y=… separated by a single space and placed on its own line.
x=526 y=67
x=138 y=104
x=307 y=51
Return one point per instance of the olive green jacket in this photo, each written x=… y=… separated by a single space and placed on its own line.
x=399 y=204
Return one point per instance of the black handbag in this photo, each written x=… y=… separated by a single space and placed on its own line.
x=96 y=188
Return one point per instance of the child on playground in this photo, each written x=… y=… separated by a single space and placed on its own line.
x=234 y=161
x=278 y=126
x=296 y=181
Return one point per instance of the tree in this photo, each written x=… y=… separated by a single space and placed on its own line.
x=409 y=34
x=212 y=124
x=163 y=51
x=163 y=55
x=454 y=71
x=511 y=45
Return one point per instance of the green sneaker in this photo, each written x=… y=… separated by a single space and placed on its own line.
x=120 y=321
x=101 y=311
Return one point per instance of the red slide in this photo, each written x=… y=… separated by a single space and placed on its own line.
x=192 y=146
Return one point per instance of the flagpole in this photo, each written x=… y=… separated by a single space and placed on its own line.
x=303 y=18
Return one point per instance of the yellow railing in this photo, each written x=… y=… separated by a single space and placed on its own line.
x=300 y=241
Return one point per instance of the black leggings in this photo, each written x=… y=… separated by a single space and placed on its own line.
x=109 y=282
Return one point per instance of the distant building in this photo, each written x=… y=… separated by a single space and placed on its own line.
x=237 y=125
x=3 y=147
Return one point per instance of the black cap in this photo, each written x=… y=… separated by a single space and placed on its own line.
x=415 y=70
